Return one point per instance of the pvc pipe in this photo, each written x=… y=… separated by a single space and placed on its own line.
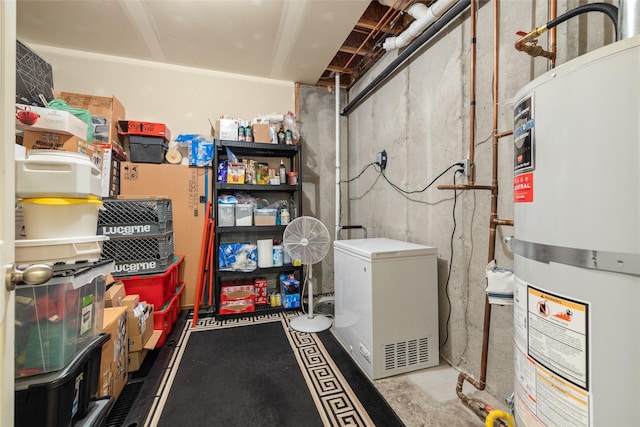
x=337 y=97
x=424 y=17
x=449 y=16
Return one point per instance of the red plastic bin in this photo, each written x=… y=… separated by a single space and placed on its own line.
x=158 y=288
x=177 y=306
x=164 y=318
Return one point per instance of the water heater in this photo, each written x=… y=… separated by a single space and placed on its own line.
x=577 y=242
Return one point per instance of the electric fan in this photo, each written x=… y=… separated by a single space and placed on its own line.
x=307 y=239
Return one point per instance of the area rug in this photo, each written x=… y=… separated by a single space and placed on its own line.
x=257 y=371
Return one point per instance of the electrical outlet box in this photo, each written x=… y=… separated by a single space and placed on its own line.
x=381 y=159
x=467 y=167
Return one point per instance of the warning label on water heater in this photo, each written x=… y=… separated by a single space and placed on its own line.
x=523 y=188
x=551 y=358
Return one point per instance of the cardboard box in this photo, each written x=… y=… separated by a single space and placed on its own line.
x=262 y=133
x=115 y=355
x=226 y=129
x=131 y=301
x=231 y=291
x=187 y=187
x=49 y=120
x=105 y=114
x=137 y=357
x=114 y=295
x=237 y=306
x=131 y=127
x=111 y=159
x=139 y=326
x=37 y=140
x=260 y=286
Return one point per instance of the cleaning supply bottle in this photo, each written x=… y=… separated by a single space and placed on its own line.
x=284 y=216
x=293 y=210
x=283 y=172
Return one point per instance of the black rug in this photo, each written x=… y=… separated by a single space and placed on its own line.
x=258 y=372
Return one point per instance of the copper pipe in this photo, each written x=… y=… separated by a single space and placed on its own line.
x=508 y=222
x=380 y=23
x=464 y=187
x=493 y=221
x=503 y=134
x=553 y=14
x=472 y=94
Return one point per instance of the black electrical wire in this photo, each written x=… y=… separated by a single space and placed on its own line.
x=446 y=285
x=425 y=188
x=608 y=9
x=359 y=175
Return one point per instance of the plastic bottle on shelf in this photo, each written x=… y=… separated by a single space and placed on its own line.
x=293 y=210
x=283 y=172
x=284 y=216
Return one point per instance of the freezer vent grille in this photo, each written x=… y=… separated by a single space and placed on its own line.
x=406 y=353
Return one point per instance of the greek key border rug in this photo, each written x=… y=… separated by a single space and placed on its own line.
x=334 y=399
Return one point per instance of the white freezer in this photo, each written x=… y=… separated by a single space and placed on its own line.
x=386 y=304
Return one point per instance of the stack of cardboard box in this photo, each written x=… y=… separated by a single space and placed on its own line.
x=142 y=336
x=130 y=325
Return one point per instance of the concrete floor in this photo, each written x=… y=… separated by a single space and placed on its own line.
x=428 y=398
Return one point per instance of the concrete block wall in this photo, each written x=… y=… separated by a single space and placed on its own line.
x=420 y=116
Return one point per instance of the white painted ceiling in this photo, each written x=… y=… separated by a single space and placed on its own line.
x=292 y=40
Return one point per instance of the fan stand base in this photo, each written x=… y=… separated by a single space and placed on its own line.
x=317 y=323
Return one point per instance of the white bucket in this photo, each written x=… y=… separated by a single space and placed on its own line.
x=67 y=250
x=56 y=173
x=52 y=218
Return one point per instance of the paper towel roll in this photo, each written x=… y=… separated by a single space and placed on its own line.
x=265 y=253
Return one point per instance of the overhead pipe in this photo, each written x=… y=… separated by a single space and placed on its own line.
x=389 y=16
x=424 y=17
x=449 y=16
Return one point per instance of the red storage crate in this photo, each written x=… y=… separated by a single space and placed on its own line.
x=164 y=319
x=158 y=288
x=178 y=302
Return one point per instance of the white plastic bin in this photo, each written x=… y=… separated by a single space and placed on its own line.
x=226 y=216
x=64 y=250
x=52 y=218
x=56 y=173
x=244 y=214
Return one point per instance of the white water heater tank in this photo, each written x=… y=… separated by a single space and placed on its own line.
x=577 y=242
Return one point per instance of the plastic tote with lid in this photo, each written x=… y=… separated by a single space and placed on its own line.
x=56 y=173
x=51 y=218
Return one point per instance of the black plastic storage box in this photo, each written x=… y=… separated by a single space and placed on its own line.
x=147 y=149
x=58 y=398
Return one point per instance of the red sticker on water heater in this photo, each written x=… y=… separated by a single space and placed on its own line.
x=523 y=188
